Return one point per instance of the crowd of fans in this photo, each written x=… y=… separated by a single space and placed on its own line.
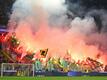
x=10 y=53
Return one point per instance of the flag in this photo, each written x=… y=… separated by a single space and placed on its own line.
x=43 y=52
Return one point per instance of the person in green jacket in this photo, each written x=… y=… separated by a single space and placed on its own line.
x=38 y=65
x=50 y=65
x=64 y=64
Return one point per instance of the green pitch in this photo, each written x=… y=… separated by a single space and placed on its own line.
x=55 y=78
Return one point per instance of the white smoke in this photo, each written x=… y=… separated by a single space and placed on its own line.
x=54 y=6
x=37 y=10
x=83 y=26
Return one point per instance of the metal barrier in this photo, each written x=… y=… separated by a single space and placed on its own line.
x=17 y=69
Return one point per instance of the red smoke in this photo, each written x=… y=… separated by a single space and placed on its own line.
x=59 y=42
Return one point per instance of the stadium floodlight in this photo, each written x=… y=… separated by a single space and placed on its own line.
x=17 y=69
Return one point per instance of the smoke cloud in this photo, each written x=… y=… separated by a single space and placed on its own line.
x=43 y=24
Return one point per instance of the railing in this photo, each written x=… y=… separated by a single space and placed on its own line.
x=13 y=68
